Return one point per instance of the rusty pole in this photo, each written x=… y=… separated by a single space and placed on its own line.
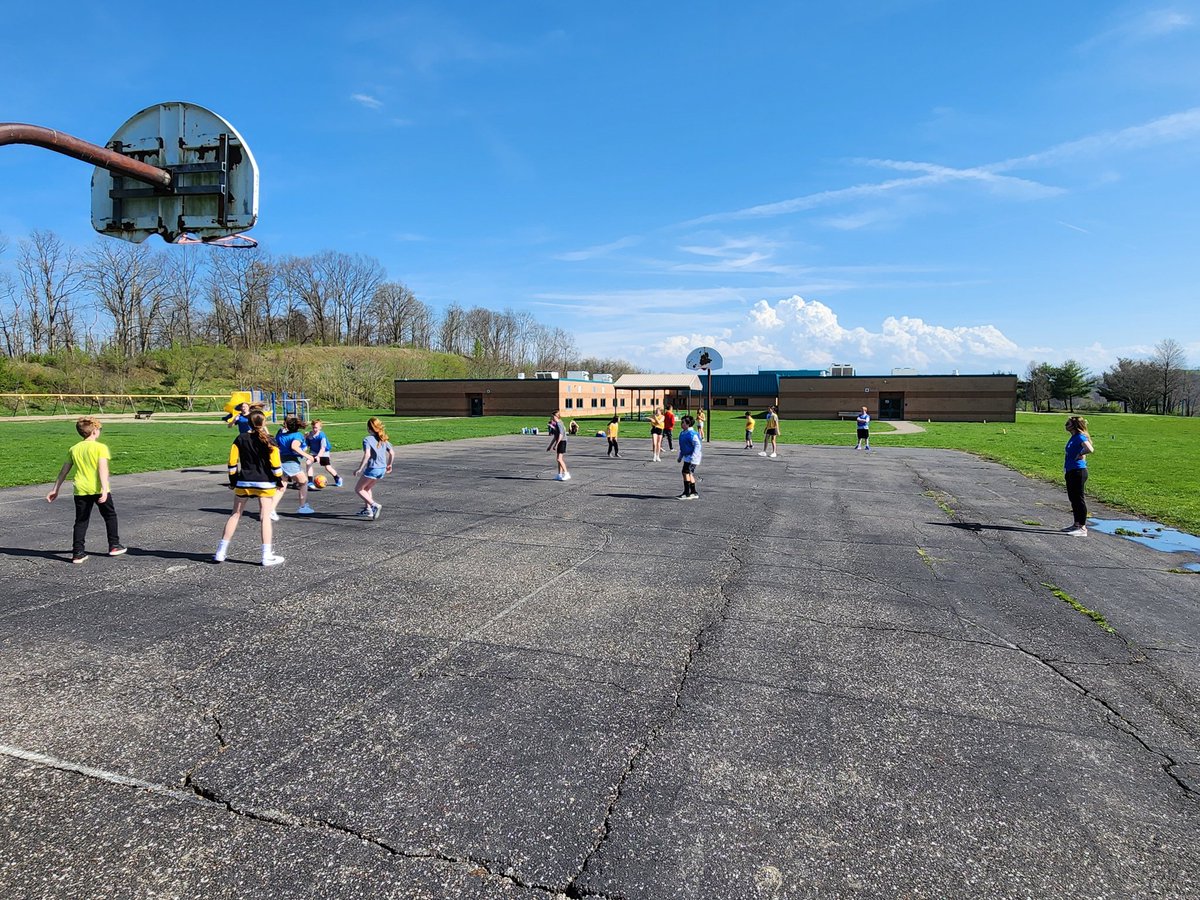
x=60 y=142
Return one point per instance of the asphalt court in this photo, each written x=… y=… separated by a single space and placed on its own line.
x=837 y=674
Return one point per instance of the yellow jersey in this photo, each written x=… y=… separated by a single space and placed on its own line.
x=85 y=457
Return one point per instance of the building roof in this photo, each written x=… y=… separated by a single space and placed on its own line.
x=760 y=385
x=642 y=382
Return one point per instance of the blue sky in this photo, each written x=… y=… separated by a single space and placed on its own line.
x=896 y=183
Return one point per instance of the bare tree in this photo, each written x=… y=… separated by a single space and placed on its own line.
x=1037 y=384
x=51 y=277
x=354 y=280
x=304 y=281
x=184 y=290
x=129 y=282
x=239 y=286
x=453 y=332
x=398 y=315
x=1169 y=362
x=12 y=324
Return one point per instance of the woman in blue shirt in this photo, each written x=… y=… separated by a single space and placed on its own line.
x=1079 y=445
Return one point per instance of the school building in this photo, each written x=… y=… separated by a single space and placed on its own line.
x=799 y=394
x=582 y=395
x=935 y=398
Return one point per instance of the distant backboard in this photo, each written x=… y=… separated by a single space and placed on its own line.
x=214 y=190
x=704 y=358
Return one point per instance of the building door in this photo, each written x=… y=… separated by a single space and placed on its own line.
x=891 y=406
x=476 y=404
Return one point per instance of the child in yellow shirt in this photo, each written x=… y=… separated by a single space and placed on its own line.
x=614 y=427
x=749 y=432
x=89 y=458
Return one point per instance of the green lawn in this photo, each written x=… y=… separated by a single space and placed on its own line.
x=1142 y=463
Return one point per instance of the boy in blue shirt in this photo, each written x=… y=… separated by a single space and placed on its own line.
x=690 y=455
x=864 y=430
x=318 y=446
x=294 y=455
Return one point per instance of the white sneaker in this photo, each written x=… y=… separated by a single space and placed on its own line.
x=558 y=477
x=218 y=557
x=762 y=452
x=376 y=510
x=773 y=455
x=1081 y=531
x=274 y=516
x=566 y=476
x=272 y=560
x=684 y=497
x=304 y=510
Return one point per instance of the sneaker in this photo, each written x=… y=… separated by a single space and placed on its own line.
x=312 y=486
x=274 y=516
x=304 y=510
x=78 y=558
x=272 y=560
x=365 y=513
x=694 y=497
x=566 y=476
x=558 y=477
x=1080 y=531
x=773 y=455
x=337 y=482
x=117 y=550
x=376 y=510
x=684 y=497
x=762 y=452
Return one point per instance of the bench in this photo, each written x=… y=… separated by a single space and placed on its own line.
x=849 y=415
x=143 y=414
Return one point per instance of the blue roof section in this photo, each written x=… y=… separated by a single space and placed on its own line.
x=792 y=373
x=760 y=385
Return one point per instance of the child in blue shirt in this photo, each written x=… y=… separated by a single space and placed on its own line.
x=690 y=454
x=1079 y=445
x=864 y=430
x=319 y=447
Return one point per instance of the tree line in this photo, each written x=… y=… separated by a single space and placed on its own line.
x=1162 y=384
x=132 y=299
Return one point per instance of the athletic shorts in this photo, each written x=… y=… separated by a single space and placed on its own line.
x=689 y=468
x=561 y=448
x=375 y=472
x=254 y=492
x=771 y=432
x=292 y=467
x=656 y=431
x=324 y=461
x=863 y=434
x=749 y=436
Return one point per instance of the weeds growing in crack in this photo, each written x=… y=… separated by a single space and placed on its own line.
x=1092 y=614
x=940 y=498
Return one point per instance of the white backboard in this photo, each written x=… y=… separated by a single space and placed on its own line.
x=215 y=178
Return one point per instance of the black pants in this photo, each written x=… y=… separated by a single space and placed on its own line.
x=1076 y=479
x=83 y=512
x=667 y=433
x=613 y=448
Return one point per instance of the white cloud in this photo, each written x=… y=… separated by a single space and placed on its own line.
x=598 y=251
x=1146 y=25
x=794 y=332
x=367 y=100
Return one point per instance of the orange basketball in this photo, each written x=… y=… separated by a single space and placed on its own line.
x=320 y=481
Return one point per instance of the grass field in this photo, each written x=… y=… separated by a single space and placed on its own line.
x=1143 y=464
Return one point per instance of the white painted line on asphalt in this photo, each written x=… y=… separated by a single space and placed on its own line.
x=63 y=765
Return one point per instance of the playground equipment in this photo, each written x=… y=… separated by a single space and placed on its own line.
x=280 y=404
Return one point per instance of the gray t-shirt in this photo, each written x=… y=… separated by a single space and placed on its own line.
x=377 y=450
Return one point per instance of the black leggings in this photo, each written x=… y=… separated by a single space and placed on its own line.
x=1076 y=479
x=83 y=512
x=612 y=447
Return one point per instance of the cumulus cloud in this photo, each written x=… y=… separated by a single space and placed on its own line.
x=798 y=333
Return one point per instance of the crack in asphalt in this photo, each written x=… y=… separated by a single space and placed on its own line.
x=641 y=748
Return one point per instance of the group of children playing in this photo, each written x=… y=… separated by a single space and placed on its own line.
x=261 y=467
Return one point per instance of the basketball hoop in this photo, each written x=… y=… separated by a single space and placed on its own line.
x=229 y=241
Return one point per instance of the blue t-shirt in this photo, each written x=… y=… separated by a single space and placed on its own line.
x=285 y=439
x=689 y=446
x=318 y=444
x=1074 y=453
x=864 y=421
x=377 y=451
x=243 y=425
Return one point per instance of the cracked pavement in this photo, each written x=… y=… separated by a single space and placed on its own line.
x=836 y=675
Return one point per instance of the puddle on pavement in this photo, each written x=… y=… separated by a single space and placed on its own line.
x=1150 y=534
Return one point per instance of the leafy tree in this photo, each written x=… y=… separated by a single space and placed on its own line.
x=1070 y=380
x=1037 y=384
x=1132 y=383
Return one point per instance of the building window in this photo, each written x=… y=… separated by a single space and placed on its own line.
x=593 y=403
x=622 y=401
x=720 y=401
x=568 y=403
x=741 y=401
x=604 y=401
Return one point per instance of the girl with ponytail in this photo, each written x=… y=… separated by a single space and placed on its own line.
x=254 y=471
x=377 y=459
